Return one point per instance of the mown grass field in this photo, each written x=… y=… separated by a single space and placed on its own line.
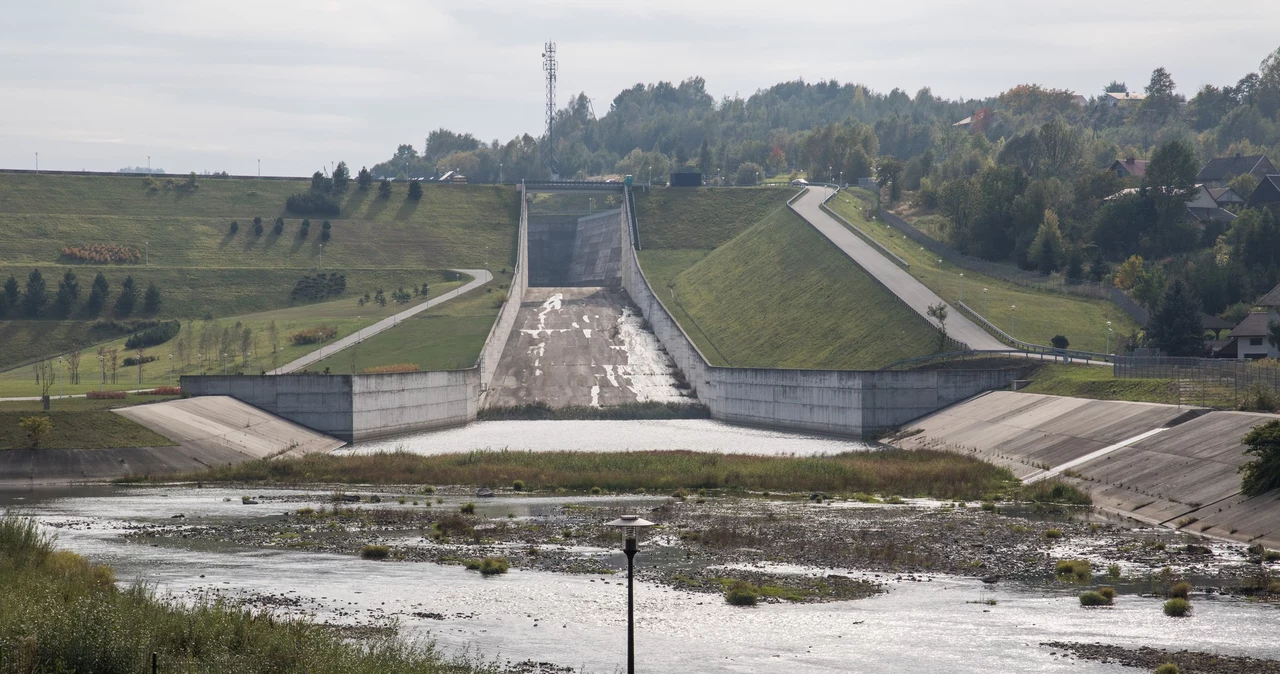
x=344 y=315
x=80 y=429
x=1039 y=315
x=1088 y=381
x=446 y=337
x=705 y=218
x=911 y=473
x=781 y=295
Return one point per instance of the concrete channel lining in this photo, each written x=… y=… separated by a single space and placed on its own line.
x=220 y=421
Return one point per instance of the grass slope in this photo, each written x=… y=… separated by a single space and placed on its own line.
x=705 y=218
x=1039 y=315
x=81 y=429
x=1086 y=381
x=781 y=295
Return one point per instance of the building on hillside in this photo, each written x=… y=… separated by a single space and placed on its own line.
x=1219 y=170
x=1204 y=208
x=1267 y=194
x=1249 y=341
x=1225 y=196
x=1129 y=167
x=1122 y=98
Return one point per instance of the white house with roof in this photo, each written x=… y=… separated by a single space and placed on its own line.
x=1250 y=339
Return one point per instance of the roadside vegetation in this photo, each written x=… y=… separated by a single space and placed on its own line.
x=914 y=473
x=61 y=612
x=1039 y=316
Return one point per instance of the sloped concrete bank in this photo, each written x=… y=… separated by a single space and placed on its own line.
x=1162 y=464
x=209 y=431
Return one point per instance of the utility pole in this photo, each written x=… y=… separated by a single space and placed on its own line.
x=259 y=169
x=550 y=65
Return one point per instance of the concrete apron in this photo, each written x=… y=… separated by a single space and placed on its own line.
x=1159 y=464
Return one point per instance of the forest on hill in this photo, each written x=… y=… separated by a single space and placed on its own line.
x=1020 y=177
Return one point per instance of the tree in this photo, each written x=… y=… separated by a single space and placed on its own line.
x=1273 y=333
x=1175 y=326
x=938 y=312
x=257 y=225
x=1262 y=473
x=304 y=229
x=235 y=227
x=1161 y=101
x=1047 y=248
x=1060 y=342
x=384 y=189
x=324 y=231
x=705 y=161
x=151 y=301
x=749 y=173
x=415 y=189
x=364 y=179
x=68 y=292
x=12 y=294
x=36 y=427
x=36 y=296
x=341 y=177
x=1128 y=273
x=889 y=172
x=1115 y=88
x=279 y=226
x=321 y=183
x=1075 y=264
x=128 y=297
x=98 y=293
x=1243 y=184
x=1170 y=183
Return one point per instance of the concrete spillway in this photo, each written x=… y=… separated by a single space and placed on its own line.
x=575 y=251
x=581 y=346
x=1162 y=464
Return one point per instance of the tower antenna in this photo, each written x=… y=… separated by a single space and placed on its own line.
x=549 y=65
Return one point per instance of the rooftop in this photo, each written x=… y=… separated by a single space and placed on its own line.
x=1221 y=168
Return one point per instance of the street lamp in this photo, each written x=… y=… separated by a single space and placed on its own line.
x=986 y=301
x=1108 y=337
x=171 y=370
x=61 y=367
x=1013 y=321
x=630 y=523
x=962 y=287
x=939 y=277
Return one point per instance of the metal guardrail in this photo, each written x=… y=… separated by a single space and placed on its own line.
x=863 y=235
x=1028 y=347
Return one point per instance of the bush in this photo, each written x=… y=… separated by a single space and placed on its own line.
x=489 y=566
x=518 y=485
x=162 y=391
x=312 y=203
x=468 y=509
x=36 y=427
x=1168 y=668
x=1093 y=599
x=1053 y=534
x=154 y=336
x=134 y=360
x=1177 y=608
x=1059 y=342
x=101 y=253
x=313 y=335
x=415 y=190
x=1079 y=569
x=105 y=395
x=235 y=227
x=1113 y=571
x=1054 y=491
x=279 y=226
x=1262 y=473
x=319 y=287
x=1108 y=593
x=257 y=227
x=375 y=552
x=741 y=593
x=1180 y=590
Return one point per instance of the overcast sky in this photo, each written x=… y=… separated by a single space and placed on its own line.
x=102 y=84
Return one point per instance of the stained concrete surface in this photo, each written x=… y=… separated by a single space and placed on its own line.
x=210 y=431
x=581 y=346
x=1164 y=464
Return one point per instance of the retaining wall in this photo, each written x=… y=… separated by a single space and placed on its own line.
x=491 y=354
x=841 y=402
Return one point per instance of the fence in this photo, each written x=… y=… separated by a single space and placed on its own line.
x=1020 y=276
x=1210 y=382
x=24 y=658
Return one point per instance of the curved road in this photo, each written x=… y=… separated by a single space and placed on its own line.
x=911 y=291
x=479 y=278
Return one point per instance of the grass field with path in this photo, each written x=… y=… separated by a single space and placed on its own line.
x=1039 y=314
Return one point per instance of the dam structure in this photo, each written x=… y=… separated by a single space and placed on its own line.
x=581 y=326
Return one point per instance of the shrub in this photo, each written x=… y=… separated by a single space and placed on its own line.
x=101 y=253
x=1053 y=534
x=1108 y=593
x=313 y=335
x=1079 y=569
x=312 y=203
x=105 y=395
x=279 y=226
x=1262 y=473
x=518 y=485
x=1054 y=491
x=1177 y=608
x=391 y=369
x=375 y=552
x=741 y=593
x=1059 y=342
x=1271 y=556
x=162 y=391
x=415 y=190
x=257 y=226
x=154 y=336
x=235 y=227
x=36 y=427
x=1093 y=599
x=134 y=360
x=489 y=566
x=596 y=491
x=1113 y=571
x=319 y=287
x=1168 y=668
x=1180 y=590
x=468 y=509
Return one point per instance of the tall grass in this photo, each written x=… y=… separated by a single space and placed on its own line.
x=921 y=472
x=60 y=613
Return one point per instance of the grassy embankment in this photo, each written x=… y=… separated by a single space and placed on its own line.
x=61 y=613
x=1086 y=381
x=773 y=292
x=1039 y=315
x=80 y=429
x=923 y=473
x=203 y=270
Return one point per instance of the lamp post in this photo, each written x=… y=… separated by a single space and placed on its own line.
x=1108 y=337
x=939 y=277
x=60 y=368
x=171 y=370
x=1013 y=321
x=102 y=363
x=986 y=301
x=630 y=523
x=962 y=287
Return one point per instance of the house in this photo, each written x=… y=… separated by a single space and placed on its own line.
x=1267 y=194
x=1122 y=98
x=1219 y=170
x=1225 y=196
x=1129 y=167
x=1080 y=100
x=1202 y=207
x=1249 y=339
x=964 y=122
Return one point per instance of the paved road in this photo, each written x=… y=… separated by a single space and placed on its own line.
x=479 y=278
x=911 y=291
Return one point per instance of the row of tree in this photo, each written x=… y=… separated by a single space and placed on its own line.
x=34 y=300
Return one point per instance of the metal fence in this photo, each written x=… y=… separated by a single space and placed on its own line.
x=1210 y=382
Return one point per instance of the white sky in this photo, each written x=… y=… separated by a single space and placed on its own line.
x=198 y=85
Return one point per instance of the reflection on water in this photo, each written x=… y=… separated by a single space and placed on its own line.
x=578 y=620
x=614 y=436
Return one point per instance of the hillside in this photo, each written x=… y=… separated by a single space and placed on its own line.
x=780 y=295
x=182 y=242
x=674 y=218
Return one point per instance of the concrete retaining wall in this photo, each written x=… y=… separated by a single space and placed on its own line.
x=842 y=402
x=491 y=354
x=318 y=401
x=597 y=250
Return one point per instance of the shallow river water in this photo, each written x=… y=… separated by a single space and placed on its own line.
x=935 y=625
